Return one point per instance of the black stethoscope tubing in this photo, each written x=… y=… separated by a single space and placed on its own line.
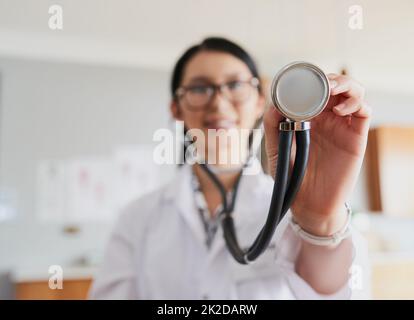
x=285 y=189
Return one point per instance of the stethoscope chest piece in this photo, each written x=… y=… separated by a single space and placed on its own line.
x=300 y=91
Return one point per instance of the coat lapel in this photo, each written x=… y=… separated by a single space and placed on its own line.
x=180 y=194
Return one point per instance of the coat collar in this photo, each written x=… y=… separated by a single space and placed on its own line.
x=253 y=188
x=250 y=213
x=180 y=192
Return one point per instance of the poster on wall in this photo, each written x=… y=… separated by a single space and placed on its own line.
x=92 y=188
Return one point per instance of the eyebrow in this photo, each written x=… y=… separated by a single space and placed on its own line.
x=199 y=79
x=209 y=80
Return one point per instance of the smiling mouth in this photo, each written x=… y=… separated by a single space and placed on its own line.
x=220 y=124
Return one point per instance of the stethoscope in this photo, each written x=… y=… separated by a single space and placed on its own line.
x=300 y=92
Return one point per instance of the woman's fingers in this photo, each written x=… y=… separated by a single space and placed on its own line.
x=358 y=109
x=353 y=106
x=364 y=110
x=362 y=117
x=344 y=85
x=352 y=103
x=348 y=107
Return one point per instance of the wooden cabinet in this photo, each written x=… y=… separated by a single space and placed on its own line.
x=390 y=166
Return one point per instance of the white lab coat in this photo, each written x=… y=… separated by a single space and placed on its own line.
x=157 y=251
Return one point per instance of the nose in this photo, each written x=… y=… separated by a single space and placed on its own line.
x=219 y=103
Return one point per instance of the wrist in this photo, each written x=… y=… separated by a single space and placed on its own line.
x=323 y=226
x=327 y=238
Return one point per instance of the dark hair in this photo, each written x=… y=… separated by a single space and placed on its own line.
x=212 y=44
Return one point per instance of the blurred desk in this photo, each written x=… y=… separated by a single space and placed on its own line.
x=392 y=275
x=39 y=290
x=76 y=285
x=392 y=278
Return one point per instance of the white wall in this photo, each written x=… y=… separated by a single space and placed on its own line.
x=58 y=111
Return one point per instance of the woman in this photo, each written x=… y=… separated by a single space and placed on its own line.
x=169 y=244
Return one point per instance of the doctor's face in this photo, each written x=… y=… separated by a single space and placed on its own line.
x=224 y=116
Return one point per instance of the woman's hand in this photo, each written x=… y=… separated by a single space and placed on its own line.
x=338 y=141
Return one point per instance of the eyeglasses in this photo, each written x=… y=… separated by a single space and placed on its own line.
x=198 y=97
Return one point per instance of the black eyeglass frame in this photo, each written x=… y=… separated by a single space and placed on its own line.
x=181 y=92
